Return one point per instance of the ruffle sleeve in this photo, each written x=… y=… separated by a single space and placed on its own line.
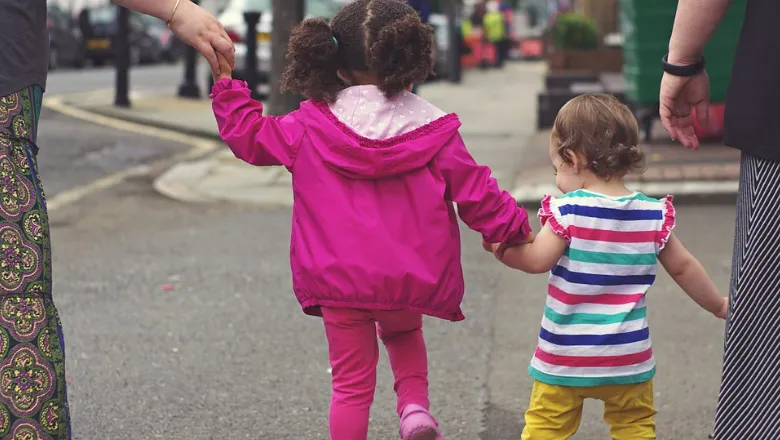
x=667 y=222
x=550 y=214
x=227 y=84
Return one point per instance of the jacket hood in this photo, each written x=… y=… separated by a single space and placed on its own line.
x=366 y=136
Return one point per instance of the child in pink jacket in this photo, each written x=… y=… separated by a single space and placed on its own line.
x=376 y=170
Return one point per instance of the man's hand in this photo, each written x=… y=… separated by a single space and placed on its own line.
x=679 y=96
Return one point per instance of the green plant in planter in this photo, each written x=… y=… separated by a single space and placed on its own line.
x=575 y=32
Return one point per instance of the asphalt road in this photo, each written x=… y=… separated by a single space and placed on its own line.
x=160 y=77
x=74 y=153
x=180 y=322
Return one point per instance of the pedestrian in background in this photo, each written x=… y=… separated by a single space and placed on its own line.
x=33 y=396
x=376 y=171
x=495 y=32
x=749 y=400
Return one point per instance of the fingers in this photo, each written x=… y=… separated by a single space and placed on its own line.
x=678 y=122
x=703 y=113
x=210 y=54
x=666 y=121
x=222 y=44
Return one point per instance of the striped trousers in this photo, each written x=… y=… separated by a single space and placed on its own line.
x=749 y=400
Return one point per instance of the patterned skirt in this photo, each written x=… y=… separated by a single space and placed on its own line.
x=33 y=399
x=749 y=401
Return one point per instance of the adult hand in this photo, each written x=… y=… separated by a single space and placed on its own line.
x=225 y=70
x=679 y=96
x=199 y=29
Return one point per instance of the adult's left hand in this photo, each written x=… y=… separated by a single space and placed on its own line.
x=199 y=29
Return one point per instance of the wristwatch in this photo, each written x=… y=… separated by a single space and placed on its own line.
x=689 y=70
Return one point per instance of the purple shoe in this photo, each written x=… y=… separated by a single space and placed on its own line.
x=418 y=424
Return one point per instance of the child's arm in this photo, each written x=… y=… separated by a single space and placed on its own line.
x=690 y=275
x=482 y=205
x=254 y=138
x=539 y=256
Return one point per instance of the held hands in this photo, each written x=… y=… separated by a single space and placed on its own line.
x=498 y=249
x=225 y=70
x=199 y=29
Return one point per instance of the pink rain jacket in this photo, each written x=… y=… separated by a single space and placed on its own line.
x=374 y=181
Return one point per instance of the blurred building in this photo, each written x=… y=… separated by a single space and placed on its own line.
x=603 y=12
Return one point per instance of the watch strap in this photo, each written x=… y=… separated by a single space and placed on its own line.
x=677 y=70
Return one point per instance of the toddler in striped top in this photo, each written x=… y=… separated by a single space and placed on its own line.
x=601 y=243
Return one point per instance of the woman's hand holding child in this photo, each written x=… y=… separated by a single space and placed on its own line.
x=225 y=70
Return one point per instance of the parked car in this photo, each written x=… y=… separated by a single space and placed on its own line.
x=66 y=45
x=232 y=18
x=100 y=32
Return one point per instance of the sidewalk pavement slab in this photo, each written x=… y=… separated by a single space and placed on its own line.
x=710 y=172
x=190 y=116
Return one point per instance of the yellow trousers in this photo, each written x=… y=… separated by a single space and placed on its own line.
x=555 y=411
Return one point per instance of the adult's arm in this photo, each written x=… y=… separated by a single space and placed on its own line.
x=694 y=24
x=192 y=24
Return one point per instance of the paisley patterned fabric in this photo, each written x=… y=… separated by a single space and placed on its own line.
x=33 y=398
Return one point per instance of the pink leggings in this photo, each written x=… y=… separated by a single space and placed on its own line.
x=354 y=353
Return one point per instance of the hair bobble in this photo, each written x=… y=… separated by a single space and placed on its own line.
x=335 y=41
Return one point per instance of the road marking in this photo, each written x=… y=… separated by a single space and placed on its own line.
x=198 y=147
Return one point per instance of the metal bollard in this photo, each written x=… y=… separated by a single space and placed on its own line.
x=122 y=56
x=189 y=86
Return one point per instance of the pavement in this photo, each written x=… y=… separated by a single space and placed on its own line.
x=498 y=113
x=180 y=322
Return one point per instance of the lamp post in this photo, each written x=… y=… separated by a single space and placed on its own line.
x=252 y=18
x=287 y=13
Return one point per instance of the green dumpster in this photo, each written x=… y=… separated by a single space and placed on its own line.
x=647 y=25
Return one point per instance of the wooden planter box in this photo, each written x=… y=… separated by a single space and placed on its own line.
x=599 y=60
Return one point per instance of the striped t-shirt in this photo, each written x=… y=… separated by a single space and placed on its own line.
x=594 y=330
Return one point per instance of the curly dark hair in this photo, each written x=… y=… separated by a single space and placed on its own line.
x=384 y=38
x=601 y=130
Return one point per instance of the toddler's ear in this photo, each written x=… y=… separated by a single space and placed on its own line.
x=578 y=161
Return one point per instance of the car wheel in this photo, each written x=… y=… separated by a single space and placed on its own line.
x=54 y=58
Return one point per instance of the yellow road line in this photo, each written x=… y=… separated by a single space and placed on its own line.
x=198 y=147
